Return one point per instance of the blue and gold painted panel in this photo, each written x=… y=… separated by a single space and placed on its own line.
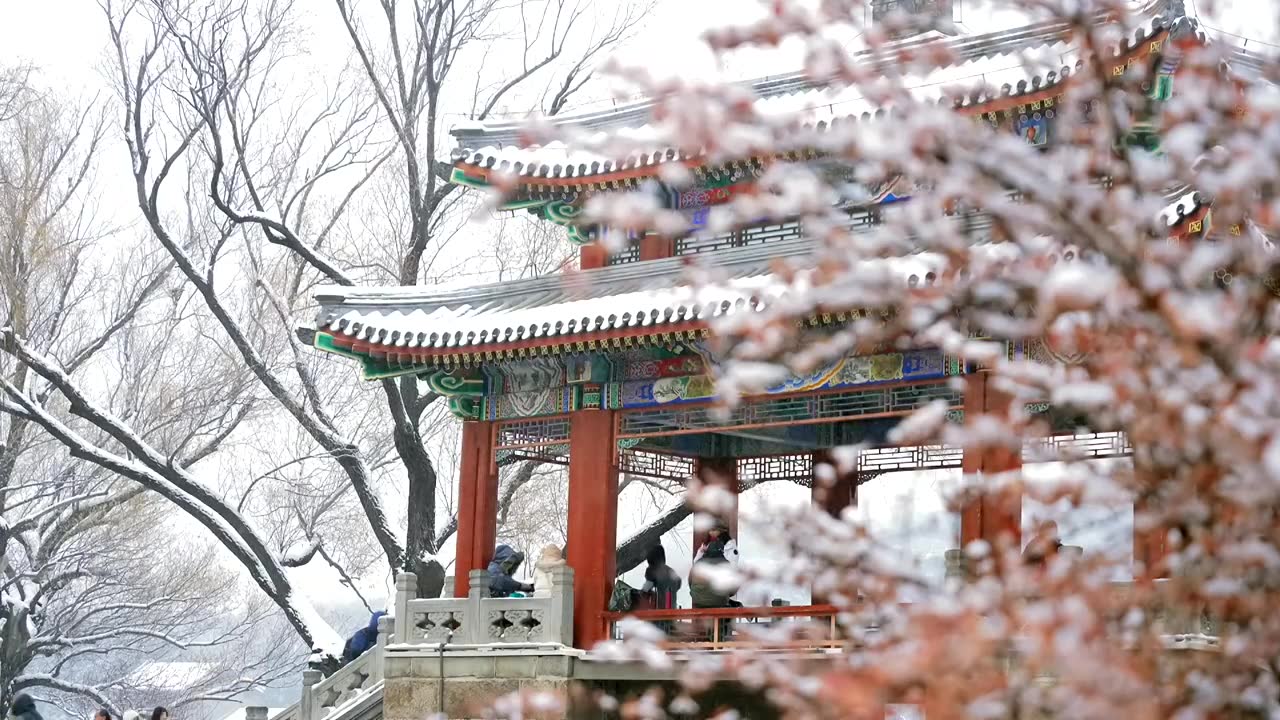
x=646 y=378
x=915 y=365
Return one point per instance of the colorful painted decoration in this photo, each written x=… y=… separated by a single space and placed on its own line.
x=1166 y=68
x=642 y=366
x=717 y=188
x=561 y=212
x=566 y=214
x=843 y=373
x=1041 y=350
x=455 y=383
x=650 y=377
x=586 y=369
x=466 y=408
x=523 y=376
x=1034 y=127
x=662 y=391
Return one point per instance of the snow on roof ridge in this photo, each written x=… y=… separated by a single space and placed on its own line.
x=412 y=325
x=967 y=47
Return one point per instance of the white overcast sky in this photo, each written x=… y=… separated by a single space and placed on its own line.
x=66 y=38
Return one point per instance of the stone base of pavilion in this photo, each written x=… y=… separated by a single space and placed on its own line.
x=457 y=657
x=464 y=681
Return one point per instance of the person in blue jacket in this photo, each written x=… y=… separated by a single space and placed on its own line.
x=363 y=639
x=502 y=568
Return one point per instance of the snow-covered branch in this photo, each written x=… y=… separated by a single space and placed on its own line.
x=175 y=485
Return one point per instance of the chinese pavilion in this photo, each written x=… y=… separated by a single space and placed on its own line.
x=607 y=370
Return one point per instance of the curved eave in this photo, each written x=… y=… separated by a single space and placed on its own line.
x=1188 y=217
x=385 y=361
x=475 y=168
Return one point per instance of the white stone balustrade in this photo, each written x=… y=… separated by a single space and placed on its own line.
x=482 y=620
x=322 y=696
x=474 y=620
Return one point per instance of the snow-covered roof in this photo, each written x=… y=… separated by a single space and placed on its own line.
x=631 y=299
x=626 y=300
x=1007 y=63
x=637 y=296
x=380 y=317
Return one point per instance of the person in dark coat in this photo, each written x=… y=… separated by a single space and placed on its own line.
x=362 y=640
x=664 y=582
x=701 y=590
x=502 y=569
x=102 y=714
x=24 y=708
x=160 y=713
x=661 y=580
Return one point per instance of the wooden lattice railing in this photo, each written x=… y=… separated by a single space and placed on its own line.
x=718 y=628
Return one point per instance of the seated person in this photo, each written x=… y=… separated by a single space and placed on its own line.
x=661 y=580
x=703 y=592
x=1045 y=544
x=502 y=569
x=552 y=558
x=721 y=534
x=663 y=583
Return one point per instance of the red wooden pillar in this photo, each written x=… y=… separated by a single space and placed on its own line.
x=477 y=504
x=722 y=472
x=833 y=498
x=1150 y=540
x=840 y=494
x=656 y=247
x=997 y=516
x=593 y=521
x=592 y=256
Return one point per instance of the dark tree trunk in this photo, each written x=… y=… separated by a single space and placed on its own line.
x=15 y=653
x=420 y=533
x=632 y=552
x=430 y=578
x=420 y=536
